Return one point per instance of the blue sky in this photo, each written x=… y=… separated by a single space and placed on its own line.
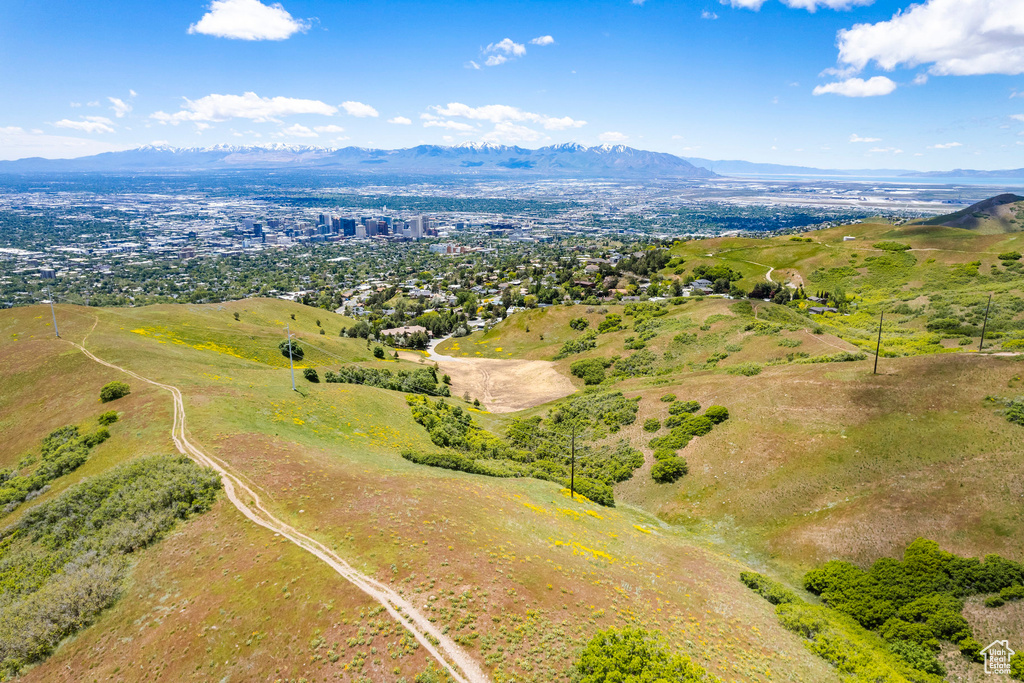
x=827 y=83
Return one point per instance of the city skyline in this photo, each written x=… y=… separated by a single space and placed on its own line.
x=826 y=83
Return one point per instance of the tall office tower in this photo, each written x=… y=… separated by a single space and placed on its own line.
x=274 y=223
x=415 y=227
x=335 y=224
x=248 y=222
x=348 y=227
x=323 y=219
x=257 y=229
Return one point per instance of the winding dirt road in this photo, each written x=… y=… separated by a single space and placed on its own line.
x=458 y=663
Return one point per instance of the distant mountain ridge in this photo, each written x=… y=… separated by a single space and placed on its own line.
x=993 y=216
x=568 y=159
x=728 y=166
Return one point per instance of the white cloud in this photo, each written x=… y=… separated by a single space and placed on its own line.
x=543 y=40
x=329 y=129
x=75 y=105
x=359 y=109
x=94 y=103
x=885 y=150
x=132 y=93
x=613 y=137
x=744 y=4
x=472 y=65
x=508 y=133
x=119 y=106
x=708 y=15
x=247 y=106
x=508 y=47
x=946 y=145
x=450 y=125
x=88 y=124
x=496 y=113
x=400 y=120
x=857 y=138
x=956 y=37
x=496 y=60
x=858 y=87
x=1017 y=117
x=920 y=79
x=299 y=131
x=248 y=20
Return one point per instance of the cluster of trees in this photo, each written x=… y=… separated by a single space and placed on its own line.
x=537 y=447
x=113 y=391
x=418 y=381
x=63 y=451
x=66 y=560
x=916 y=603
x=683 y=424
x=634 y=655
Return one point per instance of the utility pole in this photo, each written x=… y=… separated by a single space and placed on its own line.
x=52 y=312
x=985 y=324
x=878 y=346
x=572 y=471
x=291 y=364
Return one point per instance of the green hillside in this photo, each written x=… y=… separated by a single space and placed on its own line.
x=819 y=459
x=1000 y=214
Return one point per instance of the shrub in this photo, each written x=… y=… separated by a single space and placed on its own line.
x=296 y=351
x=683 y=407
x=769 y=589
x=1010 y=256
x=584 y=342
x=579 y=324
x=717 y=414
x=891 y=246
x=108 y=418
x=1017 y=667
x=652 y=425
x=668 y=398
x=114 y=391
x=662 y=453
x=745 y=369
x=310 y=374
x=994 y=601
x=611 y=323
x=633 y=655
x=668 y=470
x=378 y=352
x=590 y=370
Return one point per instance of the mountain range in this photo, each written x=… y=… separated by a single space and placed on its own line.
x=566 y=159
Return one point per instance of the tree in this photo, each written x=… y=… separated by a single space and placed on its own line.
x=296 y=352
x=378 y=352
x=114 y=391
x=717 y=414
x=633 y=655
x=310 y=374
x=108 y=418
x=668 y=470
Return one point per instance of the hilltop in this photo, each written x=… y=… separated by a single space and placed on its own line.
x=1003 y=213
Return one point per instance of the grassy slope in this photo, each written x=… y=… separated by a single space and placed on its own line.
x=539 y=573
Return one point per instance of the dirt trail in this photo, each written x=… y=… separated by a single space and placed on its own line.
x=458 y=663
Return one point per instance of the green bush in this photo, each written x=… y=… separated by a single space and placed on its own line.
x=769 y=589
x=668 y=398
x=717 y=414
x=668 y=470
x=590 y=370
x=584 y=342
x=1010 y=256
x=310 y=374
x=579 y=324
x=296 y=351
x=378 y=352
x=65 y=560
x=745 y=369
x=633 y=655
x=652 y=425
x=611 y=323
x=418 y=381
x=891 y=246
x=994 y=601
x=108 y=418
x=683 y=407
x=1017 y=666
x=114 y=391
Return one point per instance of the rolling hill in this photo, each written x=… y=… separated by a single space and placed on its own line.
x=1003 y=213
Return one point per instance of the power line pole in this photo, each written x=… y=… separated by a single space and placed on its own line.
x=985 y=324
x=878 y=346
x=572 y=471
x=291 y=364
x=52 y=312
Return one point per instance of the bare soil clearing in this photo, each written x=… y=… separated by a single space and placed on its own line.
x=505 y=386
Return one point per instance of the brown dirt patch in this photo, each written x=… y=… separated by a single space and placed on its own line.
x=505 y=386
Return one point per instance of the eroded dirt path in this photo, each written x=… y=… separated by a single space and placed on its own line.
x=452 y=657
x=505 y=386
